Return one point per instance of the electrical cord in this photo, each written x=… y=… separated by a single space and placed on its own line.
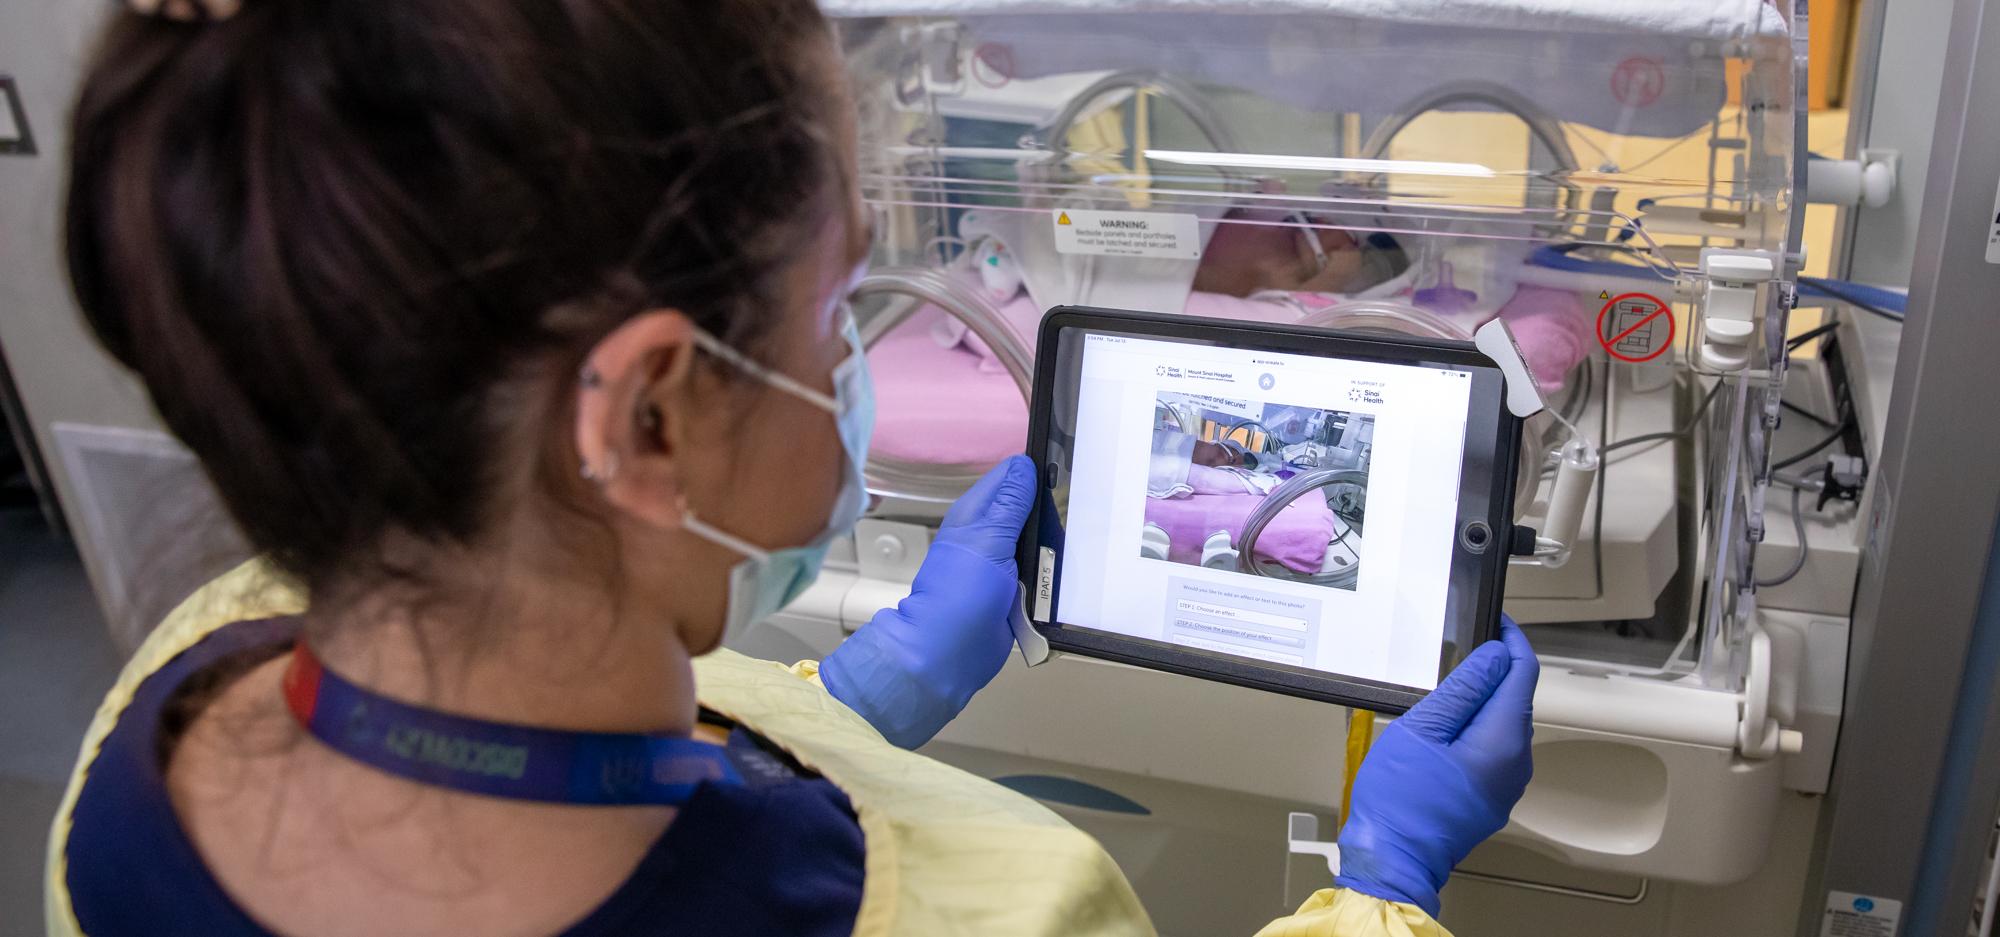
x=1579 y=396
x=1799 y=340
x=1693 y=421
x=1839 y=429
x=1799 y=525
x=1808 y=414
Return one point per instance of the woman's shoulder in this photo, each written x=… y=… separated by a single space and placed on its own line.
x=120 y=860
x=783 y=858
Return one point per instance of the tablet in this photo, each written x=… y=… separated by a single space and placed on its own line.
x=1321 y=514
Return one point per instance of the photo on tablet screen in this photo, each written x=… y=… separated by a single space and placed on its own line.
x=1262 y=489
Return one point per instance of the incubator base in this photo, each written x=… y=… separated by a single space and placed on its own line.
x=1487 y=897
x=1206 y=860
x=1633 y=775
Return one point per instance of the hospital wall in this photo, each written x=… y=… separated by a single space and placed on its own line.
x=141 y=513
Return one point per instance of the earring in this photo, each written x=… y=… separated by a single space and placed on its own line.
x=605 y=474
x=589 y=379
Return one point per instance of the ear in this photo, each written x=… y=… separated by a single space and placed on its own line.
x=631 y=403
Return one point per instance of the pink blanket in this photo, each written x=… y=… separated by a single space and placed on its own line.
x=935 y=405
x=1296 y=538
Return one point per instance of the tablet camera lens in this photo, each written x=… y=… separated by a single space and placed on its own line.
x=1476 y=536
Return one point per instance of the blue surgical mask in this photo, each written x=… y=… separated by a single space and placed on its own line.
x=768 y=580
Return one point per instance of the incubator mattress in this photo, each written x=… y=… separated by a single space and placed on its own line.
x=1296 y=538
x=937 y=405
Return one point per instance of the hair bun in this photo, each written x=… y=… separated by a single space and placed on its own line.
x=187 y=11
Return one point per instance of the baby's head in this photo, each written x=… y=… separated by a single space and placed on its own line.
x=1263 y=249
x=1222 y=455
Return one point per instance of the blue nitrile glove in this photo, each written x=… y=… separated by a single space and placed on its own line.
x=1444 y=776
x=911 y=668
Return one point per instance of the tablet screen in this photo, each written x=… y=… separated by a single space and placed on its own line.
x=1277 y=508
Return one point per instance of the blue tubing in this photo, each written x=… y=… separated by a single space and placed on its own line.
x=1557 y=258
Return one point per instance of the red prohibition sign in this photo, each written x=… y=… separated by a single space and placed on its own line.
x=998 y=59
x=1638 y=81
x=1645 y=324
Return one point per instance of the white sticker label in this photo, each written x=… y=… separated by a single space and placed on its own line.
x=1045 y=584
x=1993 y=233
x=1127 y=233
x=1852 y=915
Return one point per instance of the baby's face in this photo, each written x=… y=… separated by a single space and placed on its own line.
x=1216 y=455
x=1242 y=259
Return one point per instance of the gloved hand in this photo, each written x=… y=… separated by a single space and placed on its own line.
x=911 y=668
x=1444 y=776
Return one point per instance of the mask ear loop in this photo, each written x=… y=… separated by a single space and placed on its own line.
x=718 y=536
x=714 y=346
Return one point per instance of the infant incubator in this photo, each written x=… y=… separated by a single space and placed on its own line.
x=1614 y=181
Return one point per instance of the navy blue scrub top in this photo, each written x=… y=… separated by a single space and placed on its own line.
x=781 y=859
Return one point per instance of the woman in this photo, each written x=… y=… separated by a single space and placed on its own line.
x=513 y=334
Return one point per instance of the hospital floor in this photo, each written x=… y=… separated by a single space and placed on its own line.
x=56 y=661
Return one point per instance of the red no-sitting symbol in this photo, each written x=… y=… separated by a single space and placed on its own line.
x=1638 y=81
x=1633 y=335
x=997 y=60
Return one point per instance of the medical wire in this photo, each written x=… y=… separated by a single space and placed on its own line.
x=1787 y=462
x=1610 y=161
x=1799 y=525
x=1574 y=431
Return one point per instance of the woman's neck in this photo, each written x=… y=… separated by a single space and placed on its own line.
x=535 y=651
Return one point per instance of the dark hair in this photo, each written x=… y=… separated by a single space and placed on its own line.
x=331 y=236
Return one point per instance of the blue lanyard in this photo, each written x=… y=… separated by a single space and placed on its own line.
x=513 y=761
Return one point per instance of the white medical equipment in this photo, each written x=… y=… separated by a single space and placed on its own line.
x=1021 y=154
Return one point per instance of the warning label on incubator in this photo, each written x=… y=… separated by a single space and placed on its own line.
x=1993 y=233
x=1635 y=327
x=1127 y=233
x=1852 y=915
